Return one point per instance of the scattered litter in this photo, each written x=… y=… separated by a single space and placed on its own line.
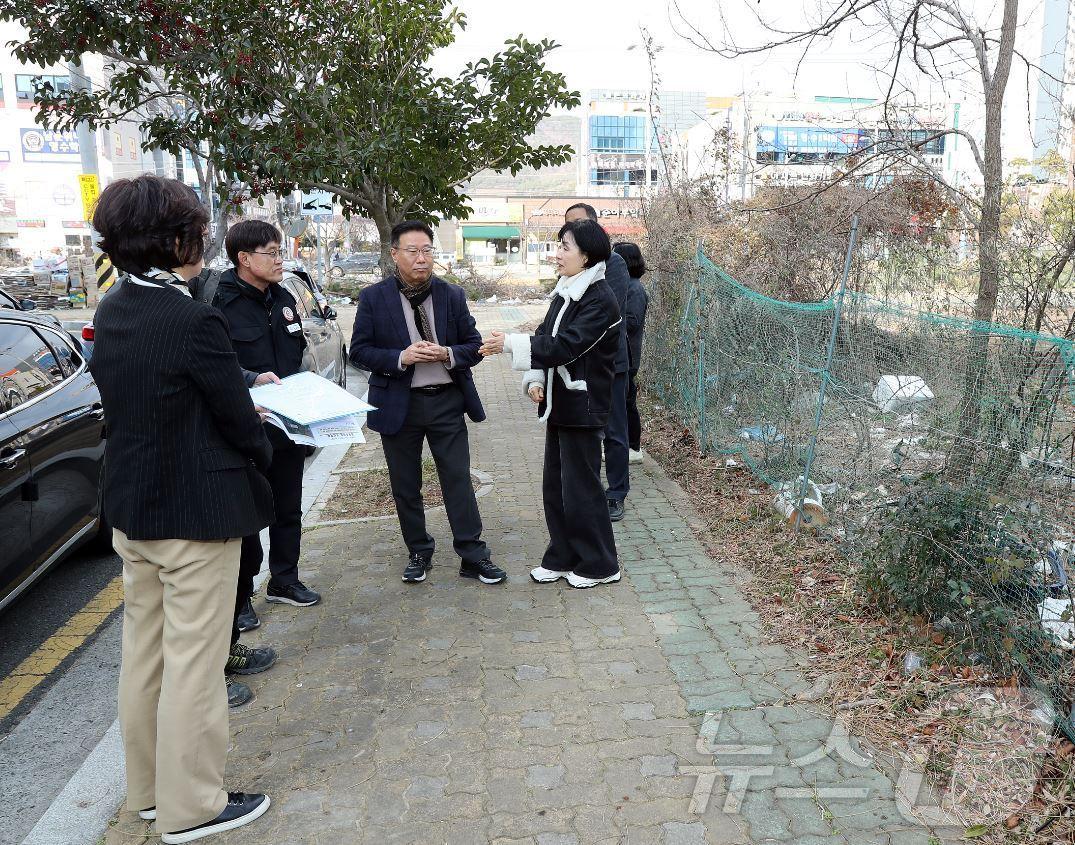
x=895 y=393
x=811 y=515
x=491 y=298
x=912 y=663
x=911 y=420
x=761 y=434
x=731 y=462
x=1058 y=618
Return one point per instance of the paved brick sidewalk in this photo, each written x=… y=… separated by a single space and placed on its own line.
x=459 y=713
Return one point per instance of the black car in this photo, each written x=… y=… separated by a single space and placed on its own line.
x=51 y=450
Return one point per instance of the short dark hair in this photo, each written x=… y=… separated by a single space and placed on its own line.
x=400 y=229
x=590 y=238
x=248 y=235
x=591 y=212
x=149 y=222
x=632 y=256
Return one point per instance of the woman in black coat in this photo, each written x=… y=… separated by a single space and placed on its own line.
x=569 y=363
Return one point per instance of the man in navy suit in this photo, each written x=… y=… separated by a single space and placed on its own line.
x=415 y=335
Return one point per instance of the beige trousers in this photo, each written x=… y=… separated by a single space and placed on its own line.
x=179 y=599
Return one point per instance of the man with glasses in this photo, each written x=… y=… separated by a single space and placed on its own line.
x=415 y=335
x=266 y=332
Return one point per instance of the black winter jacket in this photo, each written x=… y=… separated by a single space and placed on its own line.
x=586 y=342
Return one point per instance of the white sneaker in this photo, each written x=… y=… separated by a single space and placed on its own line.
x=636 y=456
x=580 y=583
x=148 y=815
x=547 y=576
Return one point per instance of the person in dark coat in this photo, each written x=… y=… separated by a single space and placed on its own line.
x=617 y=452
x=265 y=327
x=183 y=483
x=416 y=336
x=637 y=304
x=570 y=364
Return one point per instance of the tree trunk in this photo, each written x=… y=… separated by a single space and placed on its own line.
x=988 y=244
x=384 y=233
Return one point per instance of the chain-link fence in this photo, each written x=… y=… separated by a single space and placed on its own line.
x=942 y=453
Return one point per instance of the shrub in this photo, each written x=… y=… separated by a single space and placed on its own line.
x=959 y=558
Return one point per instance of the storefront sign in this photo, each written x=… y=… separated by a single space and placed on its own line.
x=90 y=186
x=43 y=146
x=30 y=223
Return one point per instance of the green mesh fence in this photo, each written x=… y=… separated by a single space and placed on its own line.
x=945 y=446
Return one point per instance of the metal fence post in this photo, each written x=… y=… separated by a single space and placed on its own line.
x=826 y=373
x=700 y=334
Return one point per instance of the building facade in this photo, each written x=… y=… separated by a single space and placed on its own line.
x=40 y=201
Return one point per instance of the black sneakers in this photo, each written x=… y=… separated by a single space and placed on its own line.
x=417 y=568
x=294 y=594
x=243 y=660
x=484 y=570
x=615 y=509
x=238 y=694
x=241 y=809
x=247 y=620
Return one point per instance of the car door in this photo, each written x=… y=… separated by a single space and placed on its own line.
x=62 y=422
x=17 y=560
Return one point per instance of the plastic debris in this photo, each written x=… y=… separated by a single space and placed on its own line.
x=912 y=663
x=761 y=434
x=897 y=393
x=1058 y=618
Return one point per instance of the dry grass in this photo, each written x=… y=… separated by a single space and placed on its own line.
x=975 y=735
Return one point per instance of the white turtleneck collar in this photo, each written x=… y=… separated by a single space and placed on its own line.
x=573 y=287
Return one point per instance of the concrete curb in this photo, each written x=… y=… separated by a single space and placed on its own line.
x=84 y=807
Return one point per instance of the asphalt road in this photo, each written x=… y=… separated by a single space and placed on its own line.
x=43 y=609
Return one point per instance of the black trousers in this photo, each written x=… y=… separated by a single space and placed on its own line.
x=617 y=468
x=634 y=421
x=437 y=419
x=580 y=530
x=285 y=478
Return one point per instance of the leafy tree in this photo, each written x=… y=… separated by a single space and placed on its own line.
x=315 y=94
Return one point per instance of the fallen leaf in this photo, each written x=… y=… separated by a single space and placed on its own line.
x=976 y=831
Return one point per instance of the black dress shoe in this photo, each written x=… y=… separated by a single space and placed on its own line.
x=615 y=509
x=238 y=694
x=248 y=619
x=417 y=568
x=295 y=594
x=241 y=809
x=484 y=570
x=243 y=660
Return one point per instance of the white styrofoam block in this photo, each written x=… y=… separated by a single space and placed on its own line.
x=894 y=393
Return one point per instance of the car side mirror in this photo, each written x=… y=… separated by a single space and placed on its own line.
x=27 y=305
x=330 y=313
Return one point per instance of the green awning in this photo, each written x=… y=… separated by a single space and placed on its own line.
x=489 y=233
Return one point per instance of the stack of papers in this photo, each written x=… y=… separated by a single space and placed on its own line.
x=313 y=411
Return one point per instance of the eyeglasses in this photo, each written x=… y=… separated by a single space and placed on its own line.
x=412 y=251
x=274 y=254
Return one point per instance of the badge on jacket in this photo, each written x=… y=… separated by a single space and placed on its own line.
x=289 y=315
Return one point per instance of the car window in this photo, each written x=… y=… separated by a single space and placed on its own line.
x=302 y=293
x=28 y=367
x=7 y=302
x=67 y=359
x=293 y=288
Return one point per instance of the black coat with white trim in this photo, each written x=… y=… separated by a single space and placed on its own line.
x=586 y=343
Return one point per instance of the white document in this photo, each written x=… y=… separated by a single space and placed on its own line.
x=308 y=398
x=332 y=433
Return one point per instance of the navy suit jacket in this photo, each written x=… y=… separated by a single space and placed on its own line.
x=380 y=335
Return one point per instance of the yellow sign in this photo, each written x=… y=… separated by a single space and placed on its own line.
x=91 y=189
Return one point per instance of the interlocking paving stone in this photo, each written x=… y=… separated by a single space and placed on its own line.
x=527 y=714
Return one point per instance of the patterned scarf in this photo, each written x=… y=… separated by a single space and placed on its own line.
x=416 y=296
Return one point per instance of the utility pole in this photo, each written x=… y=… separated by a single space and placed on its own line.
x=96 y=270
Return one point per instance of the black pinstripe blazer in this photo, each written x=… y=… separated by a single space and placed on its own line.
x=184 y=445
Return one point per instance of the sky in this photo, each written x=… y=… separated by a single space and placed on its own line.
x=600 y=47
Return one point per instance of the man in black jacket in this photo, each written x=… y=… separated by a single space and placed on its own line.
x=182 y=484
x=617 y=453
x=266 y=332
